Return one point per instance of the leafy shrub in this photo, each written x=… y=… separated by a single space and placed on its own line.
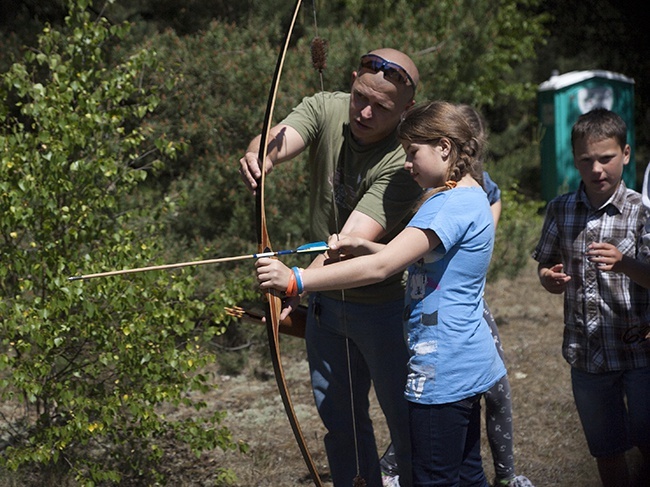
x=517 y=234
x=465 y=53
x=88 y=365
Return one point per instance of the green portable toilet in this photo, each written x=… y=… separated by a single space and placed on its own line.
x=561 y=100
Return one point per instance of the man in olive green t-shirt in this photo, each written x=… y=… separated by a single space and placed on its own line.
x=357 y=180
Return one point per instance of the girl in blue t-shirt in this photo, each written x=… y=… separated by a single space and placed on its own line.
x=447 y=248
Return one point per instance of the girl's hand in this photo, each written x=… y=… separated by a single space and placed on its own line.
x=346 y=246
x=343 y=246
x=271 y=273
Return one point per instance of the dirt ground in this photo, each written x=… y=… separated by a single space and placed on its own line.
x=549 y=444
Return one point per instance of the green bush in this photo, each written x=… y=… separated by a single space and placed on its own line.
x=465 y=53
x=88 y=365
x=517 y=233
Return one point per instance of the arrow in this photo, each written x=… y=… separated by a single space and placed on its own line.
x=310 y=248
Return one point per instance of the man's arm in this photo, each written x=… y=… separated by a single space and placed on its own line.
x=284 y=144
x=357 y=225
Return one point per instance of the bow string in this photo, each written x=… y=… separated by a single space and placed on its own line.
x=272 y=297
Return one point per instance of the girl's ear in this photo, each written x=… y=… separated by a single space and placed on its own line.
x=445 y=146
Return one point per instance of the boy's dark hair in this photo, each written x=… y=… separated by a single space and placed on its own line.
x=599 y=124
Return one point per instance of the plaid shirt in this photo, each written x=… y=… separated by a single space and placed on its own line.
x=606 y=314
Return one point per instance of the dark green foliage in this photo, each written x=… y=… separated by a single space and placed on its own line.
x=222 y=79
x=517 y=234
x=216 y=107
x=122 y=150
x=605 y=35
x=87 y=366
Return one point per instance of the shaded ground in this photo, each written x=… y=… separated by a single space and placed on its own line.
x=549 y=443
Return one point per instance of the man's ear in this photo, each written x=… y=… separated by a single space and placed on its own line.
x=353 y=78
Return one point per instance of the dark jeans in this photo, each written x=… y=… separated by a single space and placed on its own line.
x=614 y=409
x=377 y=356
x=446 y=443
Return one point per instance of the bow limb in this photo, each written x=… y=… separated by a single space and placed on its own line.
x=274 y=302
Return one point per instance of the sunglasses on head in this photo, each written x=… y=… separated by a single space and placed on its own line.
x=392 y=71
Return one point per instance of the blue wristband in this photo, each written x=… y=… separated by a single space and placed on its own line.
x=298 y=273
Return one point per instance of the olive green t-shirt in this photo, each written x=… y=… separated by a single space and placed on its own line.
x=367 y=178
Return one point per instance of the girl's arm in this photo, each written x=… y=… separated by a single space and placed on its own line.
x=495 y=209
x=408 y=247
x=357 y=237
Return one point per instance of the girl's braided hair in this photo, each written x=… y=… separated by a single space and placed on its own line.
x=429 y=122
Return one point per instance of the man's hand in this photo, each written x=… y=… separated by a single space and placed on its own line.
x=553 y=278
x=284 y=143
x=249 y=169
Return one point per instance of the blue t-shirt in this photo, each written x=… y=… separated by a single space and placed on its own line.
x=452 y=351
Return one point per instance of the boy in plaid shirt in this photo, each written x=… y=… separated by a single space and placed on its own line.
x=595 y=248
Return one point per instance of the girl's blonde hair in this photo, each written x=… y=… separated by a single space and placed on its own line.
x=430 y=122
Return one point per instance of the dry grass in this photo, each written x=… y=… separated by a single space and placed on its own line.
x=549 y=444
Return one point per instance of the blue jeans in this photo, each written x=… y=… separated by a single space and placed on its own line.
x=614 y=409
x=378 y=355
x=446 y=443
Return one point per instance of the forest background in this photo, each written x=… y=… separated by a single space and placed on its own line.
x=122 y=124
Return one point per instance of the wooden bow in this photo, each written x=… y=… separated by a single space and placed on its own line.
x=272 y=297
